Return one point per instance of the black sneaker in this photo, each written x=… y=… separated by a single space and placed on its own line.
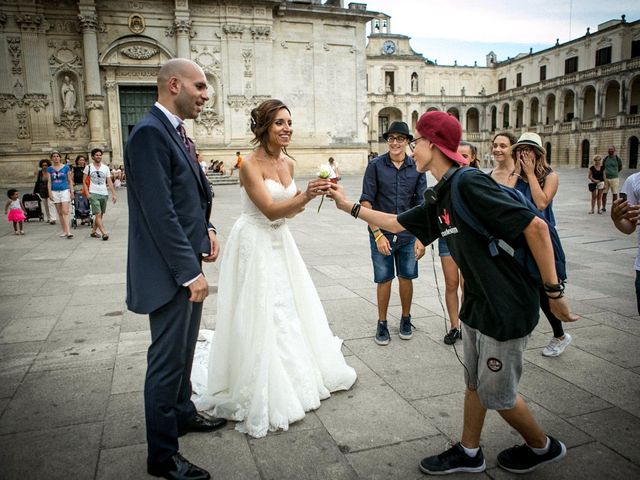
x=521 y=459
x=453 y=460
x=382 y=334
x=453 y=336
x=406 y=331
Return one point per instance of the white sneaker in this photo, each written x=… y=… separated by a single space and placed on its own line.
x=556 y=346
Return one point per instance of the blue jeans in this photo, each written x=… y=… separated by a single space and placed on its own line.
x=402 y=260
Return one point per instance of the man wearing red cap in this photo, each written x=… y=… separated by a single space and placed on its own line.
x=501 y=303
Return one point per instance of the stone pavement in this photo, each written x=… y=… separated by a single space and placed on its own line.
x=72 y=361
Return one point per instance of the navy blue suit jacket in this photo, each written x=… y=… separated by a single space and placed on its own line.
x=169 y=207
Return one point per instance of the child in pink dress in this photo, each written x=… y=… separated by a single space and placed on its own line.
x=16 y=211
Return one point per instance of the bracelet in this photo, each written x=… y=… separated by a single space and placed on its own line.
x=557 y=289
x=355 y=210
x=376 y=230
x=380 y=235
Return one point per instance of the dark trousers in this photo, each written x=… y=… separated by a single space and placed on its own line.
x=167 y=388
x=638 y=290
x=555 y=322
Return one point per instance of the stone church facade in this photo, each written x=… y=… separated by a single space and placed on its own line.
x=76 y=75
x=580 y=96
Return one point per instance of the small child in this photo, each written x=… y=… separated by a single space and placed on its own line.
x=16 y=211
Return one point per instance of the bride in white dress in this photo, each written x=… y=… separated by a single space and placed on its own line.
x=273 y=356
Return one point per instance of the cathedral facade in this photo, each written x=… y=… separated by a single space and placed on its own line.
x=79 y=74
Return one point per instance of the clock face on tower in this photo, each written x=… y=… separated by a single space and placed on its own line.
x=388 y=47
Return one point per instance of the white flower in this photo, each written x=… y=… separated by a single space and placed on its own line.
x=324 y=171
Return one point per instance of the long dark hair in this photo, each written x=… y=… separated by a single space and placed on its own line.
x=261 y=119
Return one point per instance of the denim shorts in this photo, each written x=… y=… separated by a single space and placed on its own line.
x=443 y=248
x=402 y=260
x=493 y=368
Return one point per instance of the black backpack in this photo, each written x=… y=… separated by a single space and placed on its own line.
x=521 y=254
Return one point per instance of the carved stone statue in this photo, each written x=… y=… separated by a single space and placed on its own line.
x=414 y=83
x=68 y=93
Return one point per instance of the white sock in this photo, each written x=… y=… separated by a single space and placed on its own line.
x=541 y=451
x=471 y=452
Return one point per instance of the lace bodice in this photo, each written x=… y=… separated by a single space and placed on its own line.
x=278 y=192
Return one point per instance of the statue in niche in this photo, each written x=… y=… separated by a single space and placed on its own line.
x=414 y=83
x=68 y=93
x=463 y=91
x=442 y=91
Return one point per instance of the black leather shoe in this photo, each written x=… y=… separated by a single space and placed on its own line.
x=200 y=423
x=177 y=468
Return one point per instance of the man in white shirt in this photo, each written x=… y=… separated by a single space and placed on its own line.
x=99 y=186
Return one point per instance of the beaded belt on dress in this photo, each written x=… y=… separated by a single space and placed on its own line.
x=263 y=221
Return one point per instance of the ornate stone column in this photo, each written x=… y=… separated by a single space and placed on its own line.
x=94 y=98
x=31 y=47
x=183 y=36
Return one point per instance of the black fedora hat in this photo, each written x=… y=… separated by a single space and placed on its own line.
x=398 y=127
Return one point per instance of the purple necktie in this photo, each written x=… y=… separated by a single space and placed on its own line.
x=188 y=143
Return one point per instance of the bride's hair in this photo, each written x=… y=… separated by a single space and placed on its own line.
x=261 y=119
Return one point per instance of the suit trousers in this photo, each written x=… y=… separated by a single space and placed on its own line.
x=167 y=389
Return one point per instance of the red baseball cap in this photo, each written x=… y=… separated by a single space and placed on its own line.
x=444 y=131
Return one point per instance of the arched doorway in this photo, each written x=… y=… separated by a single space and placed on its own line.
x=454 y=111
x=633 y=152
x=611 y=99
x=547 y=147
x=494 y=118
x=585 y=153
x=473 y=120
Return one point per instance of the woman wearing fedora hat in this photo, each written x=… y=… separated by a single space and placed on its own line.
x=539 y=183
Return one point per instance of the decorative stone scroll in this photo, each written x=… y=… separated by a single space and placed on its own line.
x=15 y=52
x=88 y=22
x=247 y=55
x=233 y=31
x=37 y=101
x=23 y=125
x=242 y=101
x=7 y=101
x=182 y=27
x=138 y=52
x=260 y=33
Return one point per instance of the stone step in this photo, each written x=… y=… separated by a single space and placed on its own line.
x=222 y=180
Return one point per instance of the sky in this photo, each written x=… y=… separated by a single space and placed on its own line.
x=466 y=30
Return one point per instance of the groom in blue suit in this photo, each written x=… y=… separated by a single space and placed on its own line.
x=169 y=237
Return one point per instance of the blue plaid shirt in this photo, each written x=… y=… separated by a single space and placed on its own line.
x=393 y=190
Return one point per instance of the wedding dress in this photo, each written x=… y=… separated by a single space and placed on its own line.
x=272 y=357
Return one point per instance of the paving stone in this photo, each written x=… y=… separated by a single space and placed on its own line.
x=123 y=463
x=590 y=461
x=401 y=460
x=615 y=320
x=50 y=306
x=77 y=348
x=16 y=361
x=613 y=384
x=100 y=294
x=615 y=428
x=60 y=453
x=90 y=316
x=367 y=415
x=129 y=373
x=58 y=398
x=309 y=454
x=133 y=322
x=27 y=329
x=335 y=292
x=557 y=395
x=616 y=346
x=434 y=369
x=124 y=423
x=134 y=342
x=351 y=317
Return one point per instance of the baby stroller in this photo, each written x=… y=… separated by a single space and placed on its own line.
x=32 y=205
x=81 y=210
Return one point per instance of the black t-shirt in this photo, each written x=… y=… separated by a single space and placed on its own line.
x=500 y=299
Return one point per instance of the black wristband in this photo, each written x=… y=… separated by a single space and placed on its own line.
x=555 y=289
x=355 y=210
